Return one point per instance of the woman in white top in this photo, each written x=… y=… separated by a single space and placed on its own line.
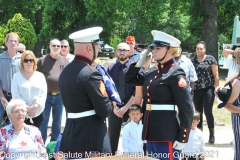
x=18 y=140
x=233 y=67
x=30 y=86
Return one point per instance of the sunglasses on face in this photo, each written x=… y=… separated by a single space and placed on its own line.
x=20 y=52
x=28 y=60
x=64 y=46
x=56 y=46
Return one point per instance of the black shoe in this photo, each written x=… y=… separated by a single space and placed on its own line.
x=211 y=136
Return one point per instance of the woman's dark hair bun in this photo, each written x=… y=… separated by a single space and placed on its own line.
x=202 y=42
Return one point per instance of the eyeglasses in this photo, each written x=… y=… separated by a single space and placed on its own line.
x=28 y=60
x=20 y=52
x=17 y=111
x=56 y=45
x=129 y=42
x=122 y=50
x=64 y=46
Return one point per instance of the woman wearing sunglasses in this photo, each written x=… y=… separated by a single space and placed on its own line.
x=30 y=86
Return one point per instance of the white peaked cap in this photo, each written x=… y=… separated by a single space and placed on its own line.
x=89 y=35
x=164 y=39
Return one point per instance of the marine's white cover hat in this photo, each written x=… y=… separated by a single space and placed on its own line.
x=164 y=39
x=89 y=35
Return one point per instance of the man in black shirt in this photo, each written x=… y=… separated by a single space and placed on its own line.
x=126 y=92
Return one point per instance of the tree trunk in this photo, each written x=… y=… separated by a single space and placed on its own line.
x=38 y=46
x=210 y=27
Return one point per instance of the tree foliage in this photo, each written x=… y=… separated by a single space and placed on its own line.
x=184 y=19
x=1 y=36
x=61 y=18
x=24 y=29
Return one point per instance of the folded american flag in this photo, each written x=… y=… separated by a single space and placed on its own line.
x=109 y=84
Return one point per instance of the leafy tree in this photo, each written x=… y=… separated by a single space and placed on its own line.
x=24 y=29
x=138 y=18
x=227 y=10
x=1 y=36
x=61 y=18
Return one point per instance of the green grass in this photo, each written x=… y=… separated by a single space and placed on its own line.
x=221 y=115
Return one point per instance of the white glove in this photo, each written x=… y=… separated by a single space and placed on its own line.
x=144 y=59
x=179 y=146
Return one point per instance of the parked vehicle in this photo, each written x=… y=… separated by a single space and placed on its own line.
x=140 y=47
x=107 y=50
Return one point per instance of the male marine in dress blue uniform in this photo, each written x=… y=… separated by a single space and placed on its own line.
x=85 y=99
x=166 y=90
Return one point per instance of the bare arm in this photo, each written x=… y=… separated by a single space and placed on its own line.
x=215 y=74
x=234 y=95
x=232 y=78
x=138 y=96
x=226 y=52
x=4 y=101
x=192 y=85
x=1 y=93
x=124 y=109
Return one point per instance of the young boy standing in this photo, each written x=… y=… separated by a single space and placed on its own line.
x=132 y=132
x=194 y=149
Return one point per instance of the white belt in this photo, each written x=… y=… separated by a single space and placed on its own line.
x=81 y=114
x=164 y=107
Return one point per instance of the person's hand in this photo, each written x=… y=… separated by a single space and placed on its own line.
x=179 y=146
x=144 y=59
x=147 y=64
x=4 y=102
x=122 y=111
x=32 y=110
x=115 y=111
x=218 y=88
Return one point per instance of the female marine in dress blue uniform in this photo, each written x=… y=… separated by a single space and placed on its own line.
x=166 y=91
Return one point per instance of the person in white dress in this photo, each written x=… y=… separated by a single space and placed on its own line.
x=19 y=140
x=132 y=132
x=30 y=86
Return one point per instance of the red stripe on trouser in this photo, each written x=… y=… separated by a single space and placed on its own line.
x=170 y=150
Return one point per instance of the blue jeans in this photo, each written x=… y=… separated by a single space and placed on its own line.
x=162 y=151
x=55 y=103
x=2 y=111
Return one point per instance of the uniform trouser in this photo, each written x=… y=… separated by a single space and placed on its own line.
x=114 y=129
x=203 y=100
x=162 y=151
